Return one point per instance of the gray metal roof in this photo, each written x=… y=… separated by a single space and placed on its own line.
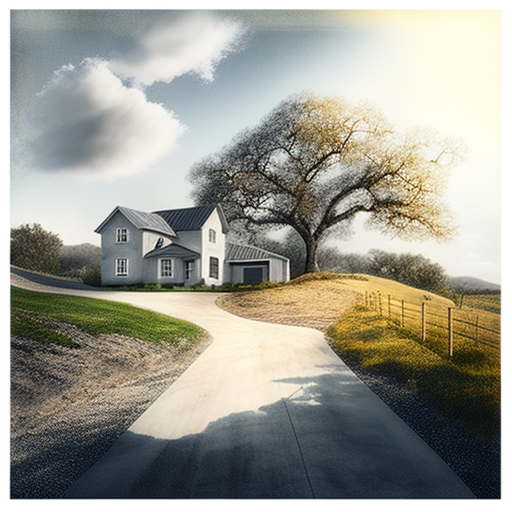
x=172 y=250
x=191 y=219
x=238 y=252
x=141 y=220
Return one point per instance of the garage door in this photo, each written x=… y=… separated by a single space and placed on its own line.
x=253 y=275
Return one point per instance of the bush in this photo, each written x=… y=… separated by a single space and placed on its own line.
x=91 y=276
x=33 y=248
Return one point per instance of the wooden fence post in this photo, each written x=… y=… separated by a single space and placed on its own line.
x=403 y=313
x=423 y=322
x=366 y=298
x=380 y=304
x=450 y=332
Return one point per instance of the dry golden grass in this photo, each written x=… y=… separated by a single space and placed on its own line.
x=318 y=300
x=315 y=304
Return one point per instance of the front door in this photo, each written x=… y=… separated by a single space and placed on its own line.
x=253 y=275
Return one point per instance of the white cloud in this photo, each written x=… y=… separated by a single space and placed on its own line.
x=89 y=123
x=194 y=43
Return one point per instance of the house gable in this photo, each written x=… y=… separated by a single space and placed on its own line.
x=141 y=220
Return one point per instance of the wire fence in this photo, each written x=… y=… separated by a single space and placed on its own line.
x=449 y=326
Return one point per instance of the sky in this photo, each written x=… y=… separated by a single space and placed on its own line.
x=114 y=107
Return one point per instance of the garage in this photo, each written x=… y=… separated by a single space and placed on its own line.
x=251 y=265
x=253 y=275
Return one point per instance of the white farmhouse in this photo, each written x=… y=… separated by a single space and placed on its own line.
x=180 y=247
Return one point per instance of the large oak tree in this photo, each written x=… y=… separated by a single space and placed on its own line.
x=314 y=163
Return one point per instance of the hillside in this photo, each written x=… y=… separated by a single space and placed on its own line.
x=318 y=300
x=467 y=284
x=71 y=401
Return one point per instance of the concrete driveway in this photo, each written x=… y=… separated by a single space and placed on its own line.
x=267 y=411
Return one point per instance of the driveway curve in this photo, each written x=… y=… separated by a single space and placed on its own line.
x=266 y=411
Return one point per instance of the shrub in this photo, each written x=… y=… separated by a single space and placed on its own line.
x=91 y=276
x=33 y=248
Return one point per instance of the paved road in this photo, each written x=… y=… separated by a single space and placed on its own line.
x=267 y=411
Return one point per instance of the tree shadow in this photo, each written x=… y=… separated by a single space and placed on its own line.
x=330 y=438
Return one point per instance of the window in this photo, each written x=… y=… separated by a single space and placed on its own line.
x=121 y=267
x=214 y=267
x=212 y=236
x=121 y=235
x=189 y=268
x=159 y=243
x=166 y=268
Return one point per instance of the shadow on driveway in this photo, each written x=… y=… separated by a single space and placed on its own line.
x=309 y=445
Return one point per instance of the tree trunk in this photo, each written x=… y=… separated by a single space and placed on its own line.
x=311 y=248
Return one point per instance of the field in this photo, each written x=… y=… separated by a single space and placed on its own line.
x=491 y=303
x=316 y=300
x=465 y=386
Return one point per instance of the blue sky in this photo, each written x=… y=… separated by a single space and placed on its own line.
x=140 y=96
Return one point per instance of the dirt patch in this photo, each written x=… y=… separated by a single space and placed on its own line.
x=316 y=303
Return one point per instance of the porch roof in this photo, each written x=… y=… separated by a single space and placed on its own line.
x=172 y=251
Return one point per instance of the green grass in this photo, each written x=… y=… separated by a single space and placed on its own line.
x=466 y=387
x=96 y=316
x=31 y=328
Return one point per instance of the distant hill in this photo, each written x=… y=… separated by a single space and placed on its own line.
x=473 y=285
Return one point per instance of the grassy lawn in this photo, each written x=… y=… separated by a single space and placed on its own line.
x=466 y=387
x=23 y=326
x=94 y=316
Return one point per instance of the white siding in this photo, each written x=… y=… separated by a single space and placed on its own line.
x=111 y=250
x=190 y=239
x=217 y=249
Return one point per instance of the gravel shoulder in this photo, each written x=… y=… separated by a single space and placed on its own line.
x=68 y=405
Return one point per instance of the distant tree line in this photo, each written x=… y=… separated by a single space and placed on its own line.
x=77 y=259
x=34 y=248
x=411 y=269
